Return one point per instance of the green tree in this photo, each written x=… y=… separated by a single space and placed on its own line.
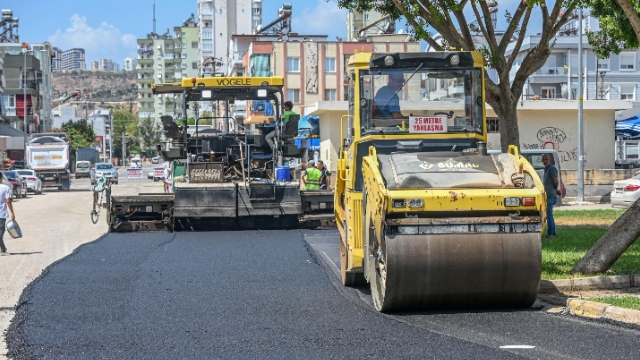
x=619 y=26
x=80 y=136
x=150 y=132
x=124 y=122
x=458 y=22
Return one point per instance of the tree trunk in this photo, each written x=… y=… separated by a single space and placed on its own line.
x=622 y=234
x=508 y=117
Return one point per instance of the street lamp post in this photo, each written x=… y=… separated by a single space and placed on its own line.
x=25 y=48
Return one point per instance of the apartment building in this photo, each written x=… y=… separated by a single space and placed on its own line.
x=130 y=64
x=166 y=58
x=73 y=59
x=356 y=21
x=56 y=63
x=218 y=20
x=104 y=65
x=34 y=79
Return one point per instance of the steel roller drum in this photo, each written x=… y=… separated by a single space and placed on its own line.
x=458 y=271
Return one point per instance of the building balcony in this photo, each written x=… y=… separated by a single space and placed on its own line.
x=146 y=109
x=145 y=81
x=177 y=49
x=145 y=61
x=145 y=100
x=145 y=71
x=546 y=71
x=144 y=91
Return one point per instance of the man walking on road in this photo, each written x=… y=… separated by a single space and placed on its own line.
x=5 y=202
x=550 y=182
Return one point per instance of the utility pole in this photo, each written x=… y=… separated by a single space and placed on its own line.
x=580 y=113
x=25 y=48
x=124 y=148
x=110 y=136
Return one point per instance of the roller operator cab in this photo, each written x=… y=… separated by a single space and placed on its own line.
x=425 y=216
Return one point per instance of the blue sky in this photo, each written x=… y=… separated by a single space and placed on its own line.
x=109 y=29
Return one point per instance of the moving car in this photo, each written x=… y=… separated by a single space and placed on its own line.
x=155 y=160
x=19 y=184
x=534 y=157
x=625 y=192
x=104 y=169
x=83 y=169
x=34 y=183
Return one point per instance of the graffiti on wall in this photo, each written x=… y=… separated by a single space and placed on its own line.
x=552 y=138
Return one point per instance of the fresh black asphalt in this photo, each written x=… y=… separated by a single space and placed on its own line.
x=261 y=295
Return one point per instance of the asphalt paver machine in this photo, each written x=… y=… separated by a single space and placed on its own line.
x=425 y=216
x=228 y=178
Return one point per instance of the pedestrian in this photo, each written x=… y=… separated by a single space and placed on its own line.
x=325 y=175
x=167 y=182
x=550 y=182
x=5 y=202
x=311 y=176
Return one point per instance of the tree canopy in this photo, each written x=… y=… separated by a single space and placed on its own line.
x=468 y=25
x=619 y=26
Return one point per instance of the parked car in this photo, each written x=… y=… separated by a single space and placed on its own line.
x=104 y=169
x=534 y=157
x=136 y=163
x=625 y=192
x=19 y=184
x=6 y=181
x=155 y=159
x=34 y=183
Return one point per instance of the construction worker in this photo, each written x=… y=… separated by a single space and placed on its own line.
x=288 y=111
x=311 y=177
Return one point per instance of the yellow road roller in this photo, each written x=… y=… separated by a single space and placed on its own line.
x=425 y=215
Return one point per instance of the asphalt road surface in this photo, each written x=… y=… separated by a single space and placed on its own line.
x=266 y=295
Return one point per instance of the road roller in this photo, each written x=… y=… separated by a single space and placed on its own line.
x=426 y=217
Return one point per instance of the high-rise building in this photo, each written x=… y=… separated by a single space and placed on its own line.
x=218 y=20
x=94 y=65
x=130 y=64
x=56 y=63
x=162 y=59
x=73 y=59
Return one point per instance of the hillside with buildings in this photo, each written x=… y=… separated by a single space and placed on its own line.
x=102 y=86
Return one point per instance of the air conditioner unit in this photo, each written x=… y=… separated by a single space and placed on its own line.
x=159 y=76
x=159 y=47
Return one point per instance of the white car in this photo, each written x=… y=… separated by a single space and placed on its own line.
x=104 y=169
x=34 y=183
x=625 y=192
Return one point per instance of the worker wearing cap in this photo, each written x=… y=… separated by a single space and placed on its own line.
x=288 y=111
x=311 y=177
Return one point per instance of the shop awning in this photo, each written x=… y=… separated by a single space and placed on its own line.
x=629 y=128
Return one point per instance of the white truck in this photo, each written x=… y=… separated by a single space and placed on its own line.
x=48 y=155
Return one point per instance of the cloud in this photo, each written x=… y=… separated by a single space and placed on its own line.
x=104 y=41
x=323 y=19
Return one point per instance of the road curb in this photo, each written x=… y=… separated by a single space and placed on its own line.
x=589 y=283
x=596 y=310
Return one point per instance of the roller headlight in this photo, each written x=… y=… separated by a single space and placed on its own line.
x=416 y=203
x=398 y=203
x=455 y=60
x=511 y=201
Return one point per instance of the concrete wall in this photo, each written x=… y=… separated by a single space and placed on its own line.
x=558 y=129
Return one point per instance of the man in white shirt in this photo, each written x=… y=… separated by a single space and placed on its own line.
x=5 y=202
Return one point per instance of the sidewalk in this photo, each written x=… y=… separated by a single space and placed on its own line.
x=569 y=295
x=570 y=206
